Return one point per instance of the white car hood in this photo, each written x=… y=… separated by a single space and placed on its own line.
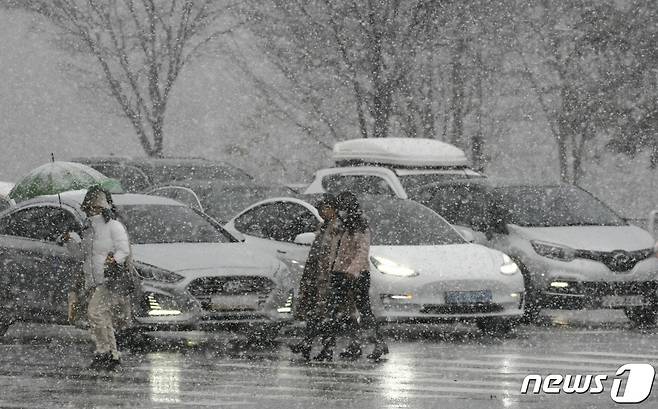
x=181 y=257
x=601 y=238
x=448 y=262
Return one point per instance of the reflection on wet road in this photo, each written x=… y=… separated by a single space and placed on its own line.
x=459 y=368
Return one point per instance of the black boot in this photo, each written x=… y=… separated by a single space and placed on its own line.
x=353 y=351
x=380 y=349
x=303 y=347
x=100 y=361
x=113 y=364
x=105 y=362
x=327 y=352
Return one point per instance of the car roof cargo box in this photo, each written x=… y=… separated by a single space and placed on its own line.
x=399 y=152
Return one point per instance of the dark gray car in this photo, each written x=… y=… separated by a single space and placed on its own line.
x=36 y=271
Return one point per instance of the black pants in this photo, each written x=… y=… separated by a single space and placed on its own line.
x=340 y=320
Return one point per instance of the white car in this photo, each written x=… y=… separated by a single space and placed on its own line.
x=391 y=166
x=573 y=250
x=422 y=270
x=178 y=252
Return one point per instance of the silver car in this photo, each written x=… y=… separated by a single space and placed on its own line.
x=194 y=272
x=573 y=250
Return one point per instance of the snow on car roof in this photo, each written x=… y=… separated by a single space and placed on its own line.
x=123 y=199
x=418 y=152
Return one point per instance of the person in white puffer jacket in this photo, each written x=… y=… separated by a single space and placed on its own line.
x=104 y=242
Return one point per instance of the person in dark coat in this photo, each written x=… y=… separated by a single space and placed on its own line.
x=350 y=282
x=314 y=284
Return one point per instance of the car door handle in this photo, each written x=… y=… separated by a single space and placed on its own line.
x=281 y=251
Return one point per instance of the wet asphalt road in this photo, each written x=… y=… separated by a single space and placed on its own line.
x=449 y=366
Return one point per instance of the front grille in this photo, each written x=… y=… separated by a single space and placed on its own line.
x=598 y=288
x=461 y=308
x=617 y=260
x=231 y=285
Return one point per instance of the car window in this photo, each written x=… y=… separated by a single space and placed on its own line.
x=253 y=221
x=38 y=223
x=152 y=224
x=58 y=222
x=544 y=206
x=295 y=219
x=183 y=195
x=357 y=184
x=415 y=181
x=407 y=223
x=23 y=223
x=280 y=221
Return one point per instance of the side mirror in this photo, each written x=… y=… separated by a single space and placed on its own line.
x=466 y=233
x=60 y=240
x=305 y=239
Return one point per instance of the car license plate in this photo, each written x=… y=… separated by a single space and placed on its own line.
x=234 y=302
x=468 y=297
x=623 y=301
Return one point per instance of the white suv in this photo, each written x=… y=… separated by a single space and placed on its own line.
x=391 y=166
x=573 y=250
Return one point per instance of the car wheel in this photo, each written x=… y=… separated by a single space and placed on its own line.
x=532 y=305
x=641 y=316
x=496 y=326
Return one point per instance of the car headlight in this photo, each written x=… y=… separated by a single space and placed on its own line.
x=160 y=305
x=154 y=273
x=386 y=266
x=508 y=267
x=554 y=251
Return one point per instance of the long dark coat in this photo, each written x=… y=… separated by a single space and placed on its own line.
x=314 y=284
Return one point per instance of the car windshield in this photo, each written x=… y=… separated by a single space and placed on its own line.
x=150 y=224
x=460 y=203
x=543 y=206
x=414 y=181
x=407 y=223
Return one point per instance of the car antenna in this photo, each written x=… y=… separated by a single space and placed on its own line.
x=52 y=159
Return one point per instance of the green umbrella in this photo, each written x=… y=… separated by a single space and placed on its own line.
x=57 y=177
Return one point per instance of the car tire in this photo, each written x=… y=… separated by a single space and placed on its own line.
x=641 y=316
x=496 y=326
x=532 y=302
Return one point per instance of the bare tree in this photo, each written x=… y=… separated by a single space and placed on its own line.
x=139 y=46
x=572 y=82
x=636 y=97
x=360 y=53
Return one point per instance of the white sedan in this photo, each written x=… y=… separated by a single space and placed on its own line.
x=422 y=269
